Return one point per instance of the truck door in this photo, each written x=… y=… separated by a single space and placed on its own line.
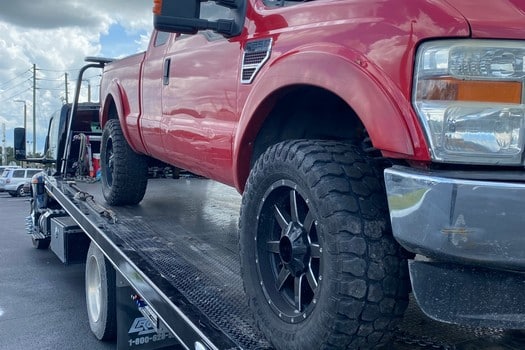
x=151 y=92
x=199 y=99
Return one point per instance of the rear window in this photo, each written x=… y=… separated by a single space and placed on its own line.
x=19 y=173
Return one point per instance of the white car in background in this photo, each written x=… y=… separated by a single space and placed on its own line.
x=5 y=167
x=12 y=180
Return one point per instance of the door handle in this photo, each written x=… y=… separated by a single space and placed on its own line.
x=166 y=72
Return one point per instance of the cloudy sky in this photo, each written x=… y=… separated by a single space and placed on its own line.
x=56 y=35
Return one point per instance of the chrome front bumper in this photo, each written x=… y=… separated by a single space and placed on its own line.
x=456 y=220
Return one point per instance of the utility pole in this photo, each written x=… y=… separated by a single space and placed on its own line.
x=66 y=91
x=34 y=109
x=4 y=157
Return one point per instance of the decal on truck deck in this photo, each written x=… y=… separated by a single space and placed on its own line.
x=145 y=333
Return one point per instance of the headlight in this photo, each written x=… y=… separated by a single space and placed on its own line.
x=469 y=96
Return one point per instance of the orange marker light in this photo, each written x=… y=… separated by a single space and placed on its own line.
x=157 y=7
x=450 y=89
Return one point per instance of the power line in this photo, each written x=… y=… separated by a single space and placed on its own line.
x=59 y=71
x=15 y=95
x=10 y=80
x=14 y=86
x=47 y=79
x=49 y=89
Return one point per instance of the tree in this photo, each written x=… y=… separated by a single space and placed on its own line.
x=10 y=158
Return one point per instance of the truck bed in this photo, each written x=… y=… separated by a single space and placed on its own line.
x=178 y=248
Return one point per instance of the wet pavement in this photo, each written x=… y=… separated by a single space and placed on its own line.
x=43 y=307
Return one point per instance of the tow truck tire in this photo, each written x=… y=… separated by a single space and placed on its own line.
x=320 y=267
x=100 y=294
x=124 y=172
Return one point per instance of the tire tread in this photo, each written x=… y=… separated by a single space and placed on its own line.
x=356 y=212
x=130 y=171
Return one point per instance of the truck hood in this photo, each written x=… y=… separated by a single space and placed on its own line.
x=493 y=19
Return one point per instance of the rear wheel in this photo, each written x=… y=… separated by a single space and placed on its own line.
x=124 y=172
x=319 y=264
x=100 y=294
x=20 y=192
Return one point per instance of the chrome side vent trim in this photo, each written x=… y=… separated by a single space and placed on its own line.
x=256 y=53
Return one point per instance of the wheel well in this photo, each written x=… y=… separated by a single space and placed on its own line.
x=110 y=111
x=306 y=112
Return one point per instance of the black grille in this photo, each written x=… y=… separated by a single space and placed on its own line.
x=254 y=57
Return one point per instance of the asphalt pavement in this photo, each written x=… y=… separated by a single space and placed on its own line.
x=42 y=303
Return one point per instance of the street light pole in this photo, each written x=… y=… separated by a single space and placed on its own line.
x=34 y=109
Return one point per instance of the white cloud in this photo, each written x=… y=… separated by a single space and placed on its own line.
x=57 y=35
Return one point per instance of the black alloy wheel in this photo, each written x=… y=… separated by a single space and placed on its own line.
x=289 y=251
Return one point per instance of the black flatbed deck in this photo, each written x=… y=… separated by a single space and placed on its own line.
x=178 y=249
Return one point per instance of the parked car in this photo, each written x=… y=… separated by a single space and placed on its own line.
x=5 y=167
x=13 y=180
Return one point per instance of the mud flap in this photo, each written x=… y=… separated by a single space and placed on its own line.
x=134 y=330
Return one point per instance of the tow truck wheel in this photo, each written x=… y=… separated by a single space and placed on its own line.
x=319 y=264
x=100 y=294
x=124 y=172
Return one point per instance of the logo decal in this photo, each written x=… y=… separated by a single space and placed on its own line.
x=142 y=326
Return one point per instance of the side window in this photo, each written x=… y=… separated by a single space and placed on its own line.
x=19 y=173
x=30 y=173
x=161 y=38
x=52 y=149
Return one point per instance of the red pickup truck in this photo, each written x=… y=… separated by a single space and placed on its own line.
x=378 y=146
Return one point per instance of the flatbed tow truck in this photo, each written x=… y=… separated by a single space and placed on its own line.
x=177 y=258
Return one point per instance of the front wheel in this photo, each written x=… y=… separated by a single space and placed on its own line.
x=100 y=294
x=124 y=172
x=319 y=263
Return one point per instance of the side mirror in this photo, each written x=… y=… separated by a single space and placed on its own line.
x=183 y=16
x=179 y=16
x=20 y=143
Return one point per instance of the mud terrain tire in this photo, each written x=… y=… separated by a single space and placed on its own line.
x=320 y=267
x=124 y=172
